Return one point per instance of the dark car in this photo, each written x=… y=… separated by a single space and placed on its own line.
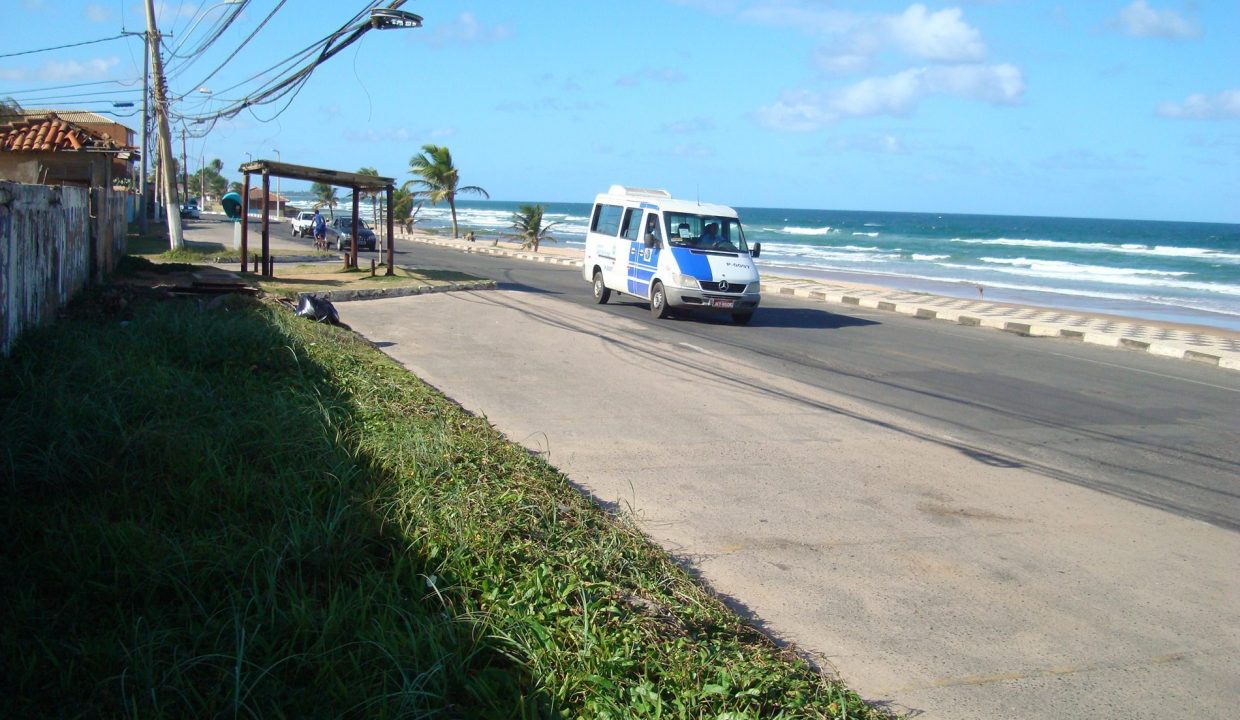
x=344 y=226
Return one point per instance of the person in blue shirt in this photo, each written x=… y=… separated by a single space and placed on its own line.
x=320 y=231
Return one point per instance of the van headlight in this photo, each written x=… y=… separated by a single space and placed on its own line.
x=685 y=281
x=754 y=287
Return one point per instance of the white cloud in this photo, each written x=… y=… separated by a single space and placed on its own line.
x=466 y=29
x=882 y=144
x=1204 y=107
x=687 y=127
x=59 y=71
x=942 y=35
x=840 y=63
x=1141 y=20
x=796 y=111
x=97 y=13
x=546 y=104
x=897 y=94
x=694 y=150
x=381 y=135
x=663 y=75
x=799 y=14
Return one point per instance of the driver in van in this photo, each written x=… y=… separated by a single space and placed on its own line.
x=652 y=236
x=710 y=235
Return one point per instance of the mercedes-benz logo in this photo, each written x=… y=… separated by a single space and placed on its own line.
x=723 y=286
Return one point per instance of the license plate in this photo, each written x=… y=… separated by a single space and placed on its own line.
x=721 y=303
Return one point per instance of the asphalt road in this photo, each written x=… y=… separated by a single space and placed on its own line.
x=1152 y=430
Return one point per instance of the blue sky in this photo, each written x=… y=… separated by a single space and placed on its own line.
x=1127 y=109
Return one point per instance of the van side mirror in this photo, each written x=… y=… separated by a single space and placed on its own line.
x=757 y=249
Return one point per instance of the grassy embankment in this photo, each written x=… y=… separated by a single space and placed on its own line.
x=234 y=511
x=290 y=279
x=156 y=244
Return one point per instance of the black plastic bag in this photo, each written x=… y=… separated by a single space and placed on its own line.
x=317 y=309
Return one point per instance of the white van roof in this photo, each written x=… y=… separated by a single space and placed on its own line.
x=661 y=199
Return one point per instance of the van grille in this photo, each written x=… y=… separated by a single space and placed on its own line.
x=733 y=288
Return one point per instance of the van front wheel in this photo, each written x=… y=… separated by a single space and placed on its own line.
x=658 y=301
x=601 y=292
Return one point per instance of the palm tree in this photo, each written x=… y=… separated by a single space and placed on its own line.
x=403 y=209
x=438 y=180
x=527 y=221
x=325 y=195
x=10 y=109
x=374 y=196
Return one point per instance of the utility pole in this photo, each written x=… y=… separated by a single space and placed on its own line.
x=184 y=168
x=144 y=202
x=175 y=239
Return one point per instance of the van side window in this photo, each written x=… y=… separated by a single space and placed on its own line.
x=606 y=220
x=631 y=229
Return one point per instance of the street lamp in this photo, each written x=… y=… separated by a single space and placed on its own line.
x=393 y=19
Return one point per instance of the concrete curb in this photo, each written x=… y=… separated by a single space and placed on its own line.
x=379 y=293
x=1027 y=329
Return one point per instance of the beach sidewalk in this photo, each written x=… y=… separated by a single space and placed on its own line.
x=1212 y=346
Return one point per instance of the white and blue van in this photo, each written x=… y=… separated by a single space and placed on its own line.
x=672 y=253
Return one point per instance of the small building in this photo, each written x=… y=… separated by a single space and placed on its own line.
x=277 y=203
x=46 y=148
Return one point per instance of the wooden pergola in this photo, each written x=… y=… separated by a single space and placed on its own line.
x=358 y=183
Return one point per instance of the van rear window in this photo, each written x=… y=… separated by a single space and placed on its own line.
x=606 y=220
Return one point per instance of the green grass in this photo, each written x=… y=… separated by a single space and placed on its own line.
x=237 y=512
x=305 y=278
x=156 y=246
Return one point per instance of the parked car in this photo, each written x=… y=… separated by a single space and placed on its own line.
x=190 y=211
x=303 y=224
x=344 y=226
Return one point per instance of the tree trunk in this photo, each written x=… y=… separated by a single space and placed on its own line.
x=452 y=204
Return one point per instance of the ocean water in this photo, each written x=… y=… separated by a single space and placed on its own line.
x=1173 y=271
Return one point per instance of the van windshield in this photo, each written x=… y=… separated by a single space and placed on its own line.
x=705 y=232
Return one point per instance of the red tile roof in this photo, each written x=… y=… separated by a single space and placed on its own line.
x=51 y=133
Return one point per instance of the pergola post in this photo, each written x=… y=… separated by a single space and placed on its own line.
x=266 y=231
x=391 y=254
x=245 y=224
x=353 y=245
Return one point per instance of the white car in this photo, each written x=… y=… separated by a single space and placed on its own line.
x=301 y=224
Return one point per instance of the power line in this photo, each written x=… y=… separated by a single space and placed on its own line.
x=79 y=95
x=244 y=43
x=292 y=83
x=62 y=47
x=27 y=91
x=221 y=25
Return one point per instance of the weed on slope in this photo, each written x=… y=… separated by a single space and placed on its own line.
x=222 y=509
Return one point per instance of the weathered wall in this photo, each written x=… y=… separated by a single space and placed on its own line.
x=45 y=253
x=111 y=224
